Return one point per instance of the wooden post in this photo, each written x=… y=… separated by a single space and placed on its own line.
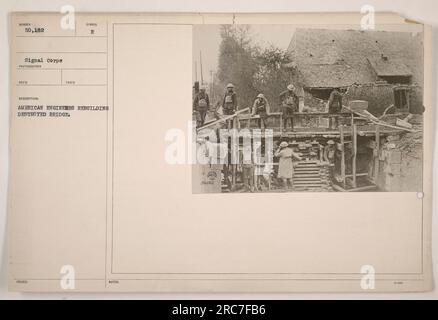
x=353 y=167
x=341 y=131
x=235 y=156
x=281 y=122
x=376 y=155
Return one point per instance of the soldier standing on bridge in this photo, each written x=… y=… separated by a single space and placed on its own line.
x=262 y=109
x=289 y=105
x=335 y=105
x=201 y=104
x=229 y=103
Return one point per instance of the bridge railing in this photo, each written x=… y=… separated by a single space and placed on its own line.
x=300 y=120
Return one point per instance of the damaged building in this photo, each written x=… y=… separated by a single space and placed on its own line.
x=383 y=68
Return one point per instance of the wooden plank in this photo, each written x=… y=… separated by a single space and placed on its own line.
x=338 y=188
x=309 y=185
x=223 y=119
x=307 y=167
x=365 y=188
x=281 y=122
x=233 y=179
x=382 y=123
x=363 y=174
x=354 y=158
x=376 y=155
x=306 y=173
x=341 y=132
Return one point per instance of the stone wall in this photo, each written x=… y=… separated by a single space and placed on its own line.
x=401 y=163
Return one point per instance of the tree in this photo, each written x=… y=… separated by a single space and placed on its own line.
x=236 y=62
x=250 y=68
x=272 y=77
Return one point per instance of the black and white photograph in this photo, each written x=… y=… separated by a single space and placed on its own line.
x=284 y=108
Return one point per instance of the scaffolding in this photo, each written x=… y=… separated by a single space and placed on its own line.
x=349 y=125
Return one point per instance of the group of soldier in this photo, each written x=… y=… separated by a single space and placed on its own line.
x=261 y=108
x=289 y=102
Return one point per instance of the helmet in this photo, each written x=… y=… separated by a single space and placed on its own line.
x=230 y=85
x=290 y=87
x=260 y=95
x=330 y=142
x=203 y=87
x=284 y=144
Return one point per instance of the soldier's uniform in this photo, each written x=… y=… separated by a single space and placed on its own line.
x=335 y=101
x=289 y=105
x=229 y=103
x=261 y=108
x=201 y=103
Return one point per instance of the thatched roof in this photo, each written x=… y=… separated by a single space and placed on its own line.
x=389 y=68
x=334 y=58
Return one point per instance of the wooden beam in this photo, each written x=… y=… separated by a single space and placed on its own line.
x=362 y=174
x=376 y=155
x=223 y=119
x=353 y=165
x=382 y=123
x=341 y=132
x=281 y=122
x=233 y=176
x=365 y=188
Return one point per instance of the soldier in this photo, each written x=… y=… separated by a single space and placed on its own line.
x=335 y=105
x=329 y=152
x=335 y=101
x=285 y=163
x=247 y=165
x=329 y=156
x=201 y=103
x=261 y=108
x=229 y=103
x=289 y=105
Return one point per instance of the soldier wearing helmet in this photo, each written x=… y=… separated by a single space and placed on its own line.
x=262 y=109
x=329 y=156
x=289 y=105
x=229 y=104
x=201 y=104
